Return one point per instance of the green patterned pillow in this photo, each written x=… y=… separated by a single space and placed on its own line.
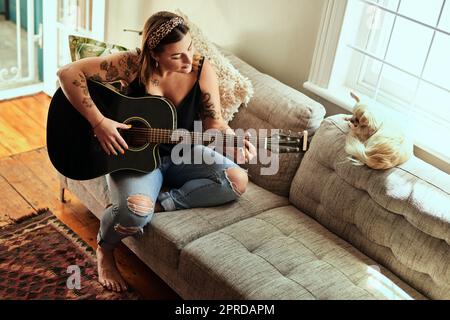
x=82 y=47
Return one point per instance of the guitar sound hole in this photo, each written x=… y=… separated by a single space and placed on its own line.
x=135 y=137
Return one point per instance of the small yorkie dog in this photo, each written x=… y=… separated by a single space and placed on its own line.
x=375 y=140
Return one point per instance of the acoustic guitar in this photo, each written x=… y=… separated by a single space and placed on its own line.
x=77 y=154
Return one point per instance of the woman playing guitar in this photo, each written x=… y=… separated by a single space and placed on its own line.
x=166 y=65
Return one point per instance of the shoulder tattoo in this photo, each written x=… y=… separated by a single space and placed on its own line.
x=208 y=110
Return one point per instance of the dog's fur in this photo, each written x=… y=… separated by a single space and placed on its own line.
x=375 y=140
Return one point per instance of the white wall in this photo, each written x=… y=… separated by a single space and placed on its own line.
x=275 y=36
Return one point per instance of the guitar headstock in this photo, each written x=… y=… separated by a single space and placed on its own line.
x=287 y=141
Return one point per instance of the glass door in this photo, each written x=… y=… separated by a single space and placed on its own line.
x=61 y=19
x=20 y=47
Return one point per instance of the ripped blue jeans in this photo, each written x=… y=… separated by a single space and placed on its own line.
x=134 y=193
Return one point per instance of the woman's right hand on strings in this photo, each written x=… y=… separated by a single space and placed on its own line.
x=109 y=137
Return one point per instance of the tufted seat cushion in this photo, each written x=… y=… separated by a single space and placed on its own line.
x=284 y=254
x=169 y=232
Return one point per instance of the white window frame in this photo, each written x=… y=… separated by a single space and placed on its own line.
x=320 y=81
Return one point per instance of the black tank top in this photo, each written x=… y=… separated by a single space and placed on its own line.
x=187 y=112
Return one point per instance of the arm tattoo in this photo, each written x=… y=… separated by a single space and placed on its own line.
x=87 y=102
x=129 y=65
x=112 y=73
x=208 y=110
x=81 y=83
x=96 y=77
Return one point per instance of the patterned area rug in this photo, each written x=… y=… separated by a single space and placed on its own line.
x=42 y=259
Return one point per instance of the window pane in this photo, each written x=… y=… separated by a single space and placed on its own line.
x=434 y=102
x=370 y=72
x=75 y=13
x=398 y=84
x=438 y=65
x=445 y=19
x=381 y=31
x=424 y=11
x=372 y=33
x=15 y=69
x=390 y=4
x=406 y=51
x=63 y=49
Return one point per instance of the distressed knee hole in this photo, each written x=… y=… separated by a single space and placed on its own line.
x=128 y=231
x=238 y=179
x=140 y=205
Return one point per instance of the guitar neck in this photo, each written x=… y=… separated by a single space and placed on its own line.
x=280 y=143
x=152 y=135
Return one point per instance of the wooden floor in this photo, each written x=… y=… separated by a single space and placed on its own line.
x=28 y=183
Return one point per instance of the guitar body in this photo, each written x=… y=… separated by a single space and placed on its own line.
x=77 y=154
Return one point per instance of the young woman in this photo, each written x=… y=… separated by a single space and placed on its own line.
x=166 y=65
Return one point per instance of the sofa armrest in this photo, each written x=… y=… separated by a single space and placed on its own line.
x=275 y=106
x=399 y=217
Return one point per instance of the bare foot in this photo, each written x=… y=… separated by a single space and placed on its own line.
x=108 y=274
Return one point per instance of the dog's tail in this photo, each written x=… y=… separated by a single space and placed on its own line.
x=355 y=97
x=378 y=153
x=356 y=149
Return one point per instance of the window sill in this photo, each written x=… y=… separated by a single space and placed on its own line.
x=430 y=153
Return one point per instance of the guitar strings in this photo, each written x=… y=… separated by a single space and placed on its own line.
x=178 y=141
x=159 y=135
x=169 y=140
x=203 y=138
x=167 y=133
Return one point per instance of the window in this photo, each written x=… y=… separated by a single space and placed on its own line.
x=61 y=19
x=395 y=54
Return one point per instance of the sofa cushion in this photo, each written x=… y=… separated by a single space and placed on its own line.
x=169 y=232
x=275 y=106
x=399 y=217
x=95 y=189
x=284 y=254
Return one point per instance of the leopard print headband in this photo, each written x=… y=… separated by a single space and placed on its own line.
x=163 y=31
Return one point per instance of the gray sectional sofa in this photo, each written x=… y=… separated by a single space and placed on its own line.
x=319 y=229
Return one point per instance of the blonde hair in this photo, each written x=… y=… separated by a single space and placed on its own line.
x=146 y=61
x=380 y=151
